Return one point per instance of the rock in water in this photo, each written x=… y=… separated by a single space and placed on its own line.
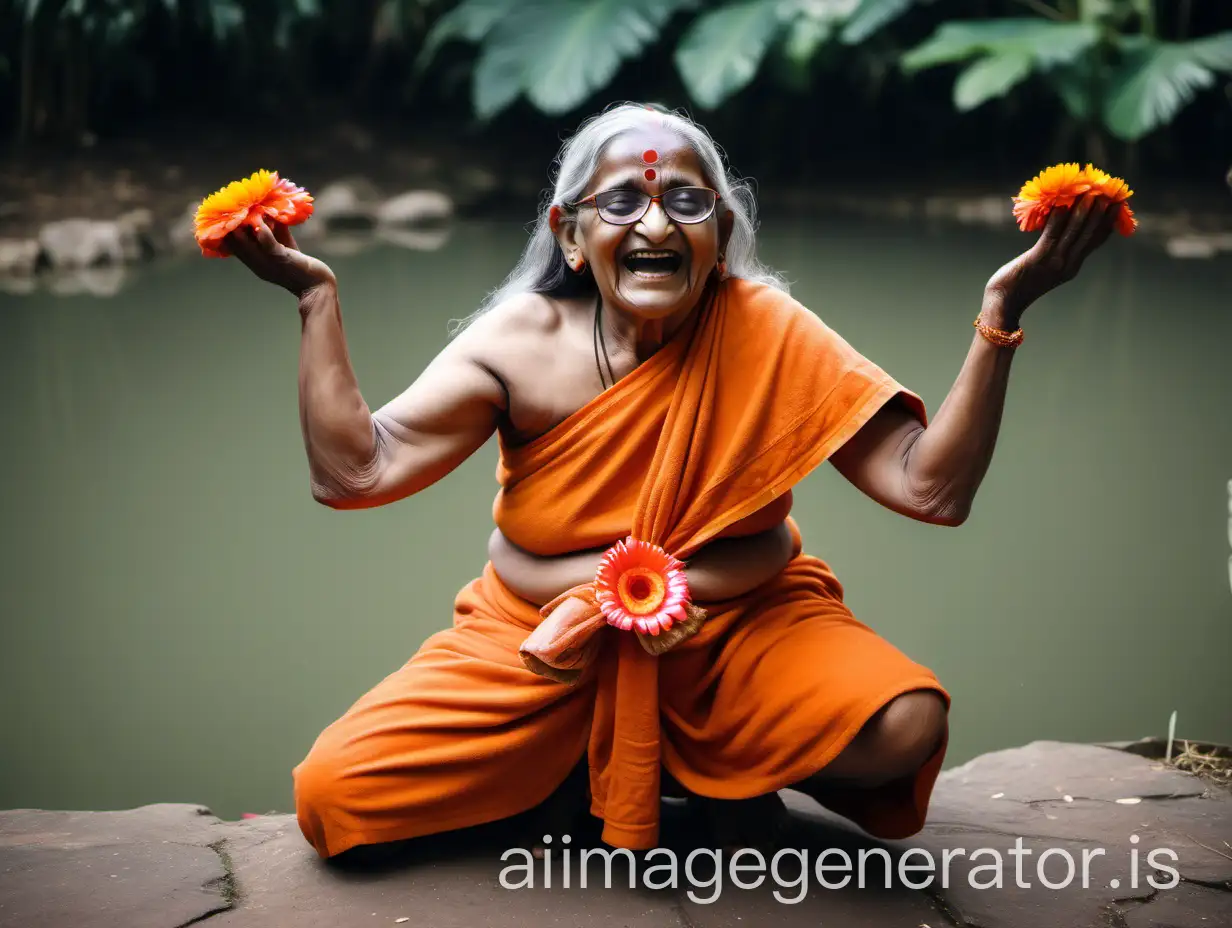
x=69 y=243
x=18 y=256
x=346 y=204
x=415 y=207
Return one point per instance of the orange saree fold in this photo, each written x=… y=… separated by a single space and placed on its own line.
x=719 y=424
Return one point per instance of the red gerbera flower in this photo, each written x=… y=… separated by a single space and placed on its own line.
x=640 y=586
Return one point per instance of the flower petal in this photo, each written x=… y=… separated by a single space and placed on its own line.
x=1126 y=224
x=1061 y=186
x=639 y=585
x=245 y=201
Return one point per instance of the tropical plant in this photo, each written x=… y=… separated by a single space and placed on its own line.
x=723 y=49
x=71 y=62
x=1103 y=59
x=558 y=53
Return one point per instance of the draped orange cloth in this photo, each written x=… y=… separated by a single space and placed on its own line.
x=715 y=428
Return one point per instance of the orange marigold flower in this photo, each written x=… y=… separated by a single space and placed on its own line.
x=1059 y=185
x=640 y=586
x=1062 y=185
x=1116 y=190
x=246 y=202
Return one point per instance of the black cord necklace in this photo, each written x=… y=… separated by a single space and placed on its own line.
x=600 y=340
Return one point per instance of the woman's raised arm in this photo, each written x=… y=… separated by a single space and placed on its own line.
x=932 y=474
x=359 y=459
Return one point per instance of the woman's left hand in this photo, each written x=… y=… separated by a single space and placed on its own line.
x=1068 y=238
x=271 y=253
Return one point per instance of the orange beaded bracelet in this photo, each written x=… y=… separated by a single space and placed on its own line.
x=999 y=337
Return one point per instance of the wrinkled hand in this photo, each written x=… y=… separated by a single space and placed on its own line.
x=1068 y=238
x=274 y=257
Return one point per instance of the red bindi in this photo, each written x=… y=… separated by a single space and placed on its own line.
x=650 y=156
x=650 y=174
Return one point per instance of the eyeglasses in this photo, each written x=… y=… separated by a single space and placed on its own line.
x=624 y=207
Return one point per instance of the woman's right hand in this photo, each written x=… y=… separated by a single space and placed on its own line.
x=274 y=257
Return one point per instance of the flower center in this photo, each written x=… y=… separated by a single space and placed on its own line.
x=641 y=590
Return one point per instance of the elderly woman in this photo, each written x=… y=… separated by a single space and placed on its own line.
x=655 y=392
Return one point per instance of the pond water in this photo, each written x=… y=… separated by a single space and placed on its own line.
x=180 y=619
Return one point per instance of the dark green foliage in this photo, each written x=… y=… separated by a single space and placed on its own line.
x=1115 y=69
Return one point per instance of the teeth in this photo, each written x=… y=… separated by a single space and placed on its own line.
x=651 y=254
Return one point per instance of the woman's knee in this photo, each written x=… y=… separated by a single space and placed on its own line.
x=320 y=783
x=907 y=732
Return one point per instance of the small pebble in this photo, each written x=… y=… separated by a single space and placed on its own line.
x=1068 y=798
x=1130 y=801
x=404 y=918
x=997 y=795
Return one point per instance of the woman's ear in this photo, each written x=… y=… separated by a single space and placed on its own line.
x=566 y=232
x=727 y=222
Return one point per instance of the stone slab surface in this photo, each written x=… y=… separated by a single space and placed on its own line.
x=1051 y=770
x=1187 y=905
x=150 y=867
x=1126 y=816
x=792 y=893
x=177 y=865
x=444 y=884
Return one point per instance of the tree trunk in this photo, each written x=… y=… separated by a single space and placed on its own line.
x=29 y=94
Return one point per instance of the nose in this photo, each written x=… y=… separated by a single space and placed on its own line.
x=655 y=225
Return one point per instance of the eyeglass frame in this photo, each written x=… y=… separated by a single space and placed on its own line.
x=590 y=200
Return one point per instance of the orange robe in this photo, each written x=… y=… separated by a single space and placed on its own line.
x=717 y=426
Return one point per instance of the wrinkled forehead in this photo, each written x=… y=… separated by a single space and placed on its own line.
x=667 y=156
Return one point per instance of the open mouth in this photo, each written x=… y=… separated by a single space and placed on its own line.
x=653 y=264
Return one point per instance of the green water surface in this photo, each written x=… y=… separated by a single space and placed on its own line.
x=179 y=619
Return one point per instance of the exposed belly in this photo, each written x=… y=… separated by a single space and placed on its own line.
x=762 y=520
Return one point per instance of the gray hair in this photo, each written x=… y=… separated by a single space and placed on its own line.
x=542 y=267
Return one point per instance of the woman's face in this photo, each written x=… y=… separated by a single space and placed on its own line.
x=656 y=267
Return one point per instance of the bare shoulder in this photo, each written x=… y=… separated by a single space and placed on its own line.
x=524 y=329
x=529 y=316
x=537 y=347
x=473 y=367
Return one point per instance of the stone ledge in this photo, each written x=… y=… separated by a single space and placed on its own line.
x=170 y=865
